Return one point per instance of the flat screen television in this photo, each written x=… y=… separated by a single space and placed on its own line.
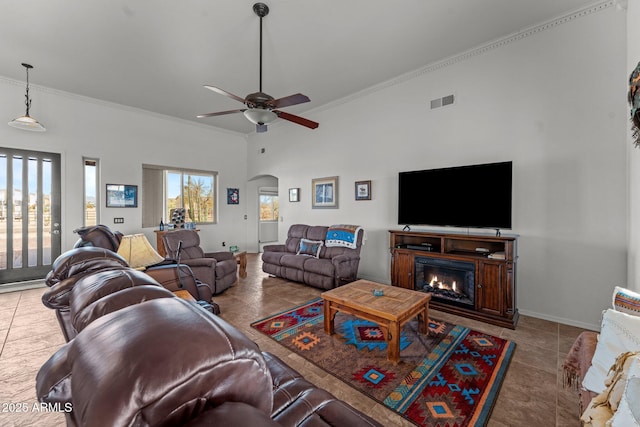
x=473 y=196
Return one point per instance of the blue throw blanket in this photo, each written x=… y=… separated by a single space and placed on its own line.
x=342 y=235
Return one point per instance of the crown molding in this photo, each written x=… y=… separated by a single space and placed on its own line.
x=114 y=105
x=463 y=56
x=478 y=50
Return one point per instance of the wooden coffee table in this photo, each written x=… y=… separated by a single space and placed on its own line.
x=390 y=311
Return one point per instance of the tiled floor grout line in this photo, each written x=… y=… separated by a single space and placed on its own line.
x=15 y=310
x=557 y=389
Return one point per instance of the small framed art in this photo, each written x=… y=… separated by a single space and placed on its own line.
x=294 y=194
x=122 y=196
x=233 y=196
x=363 y=190
x=325 y=193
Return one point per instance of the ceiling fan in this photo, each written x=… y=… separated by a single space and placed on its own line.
x=262 y=108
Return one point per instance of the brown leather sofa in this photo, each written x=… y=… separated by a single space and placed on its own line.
x=144 y=357
x=334 y=266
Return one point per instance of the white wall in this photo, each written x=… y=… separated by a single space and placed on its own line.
x=552 y=102
x=123 y=139
x=633 y=58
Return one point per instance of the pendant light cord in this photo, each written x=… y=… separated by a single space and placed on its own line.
x=261 y=54
x=27 y=100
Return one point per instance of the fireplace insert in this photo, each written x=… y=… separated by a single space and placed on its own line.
x=449 y=281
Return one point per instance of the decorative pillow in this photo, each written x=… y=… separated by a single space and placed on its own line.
x=619 y=333
x=309 y=247
x=626 y=301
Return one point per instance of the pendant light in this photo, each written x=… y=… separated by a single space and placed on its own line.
x=27 y=122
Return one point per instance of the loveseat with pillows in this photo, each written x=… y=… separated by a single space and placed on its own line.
x=144 y=357
x=605 y=366
x=319 y=256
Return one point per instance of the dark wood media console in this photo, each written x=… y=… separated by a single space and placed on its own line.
x=494 y=259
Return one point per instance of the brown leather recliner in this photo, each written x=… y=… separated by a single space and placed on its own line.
x=168 y=274
x=145 y=357
x=218 y=269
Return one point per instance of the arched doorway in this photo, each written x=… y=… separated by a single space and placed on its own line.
x=264 y=231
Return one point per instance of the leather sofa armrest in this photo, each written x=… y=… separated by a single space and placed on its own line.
x=53 y=381
x=205 y=293
x=200 y=262
x=220 y=256
x=274 y=248
x=167 y=275
x=344 y=258
x=345 y=266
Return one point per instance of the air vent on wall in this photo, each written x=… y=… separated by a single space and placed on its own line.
x=442 y=102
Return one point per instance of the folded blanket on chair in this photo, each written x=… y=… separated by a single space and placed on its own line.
x=342 y=235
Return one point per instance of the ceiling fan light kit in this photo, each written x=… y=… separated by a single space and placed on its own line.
x=261 y=107
x=260 y=116
x=27 y=122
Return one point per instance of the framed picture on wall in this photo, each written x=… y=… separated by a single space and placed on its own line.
x=325 y=193
x=294 y=194
x=233 y=196
x=122 y=196
x=363 y=190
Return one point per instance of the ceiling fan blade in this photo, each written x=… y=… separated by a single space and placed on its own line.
x=297 y=119
x=225 y=93
x=287 y=101
x=221 y=113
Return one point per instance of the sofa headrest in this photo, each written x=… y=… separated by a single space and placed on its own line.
x=298 y=231
x=190 y=244
x=82 y=260
x=295 y=233
x=102 y=292
x=162 y=362
x=116 y=301
x=99 y=236
x=317 y=232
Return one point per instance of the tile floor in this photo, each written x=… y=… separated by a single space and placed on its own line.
x=531 y=395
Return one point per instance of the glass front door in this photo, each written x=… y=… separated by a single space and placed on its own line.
x=29 y=214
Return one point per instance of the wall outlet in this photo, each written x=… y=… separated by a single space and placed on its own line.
x=118 y=220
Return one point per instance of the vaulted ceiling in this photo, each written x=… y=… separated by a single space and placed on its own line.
x=157 y=55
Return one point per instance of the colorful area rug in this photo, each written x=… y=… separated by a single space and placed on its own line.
x=450 y=378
